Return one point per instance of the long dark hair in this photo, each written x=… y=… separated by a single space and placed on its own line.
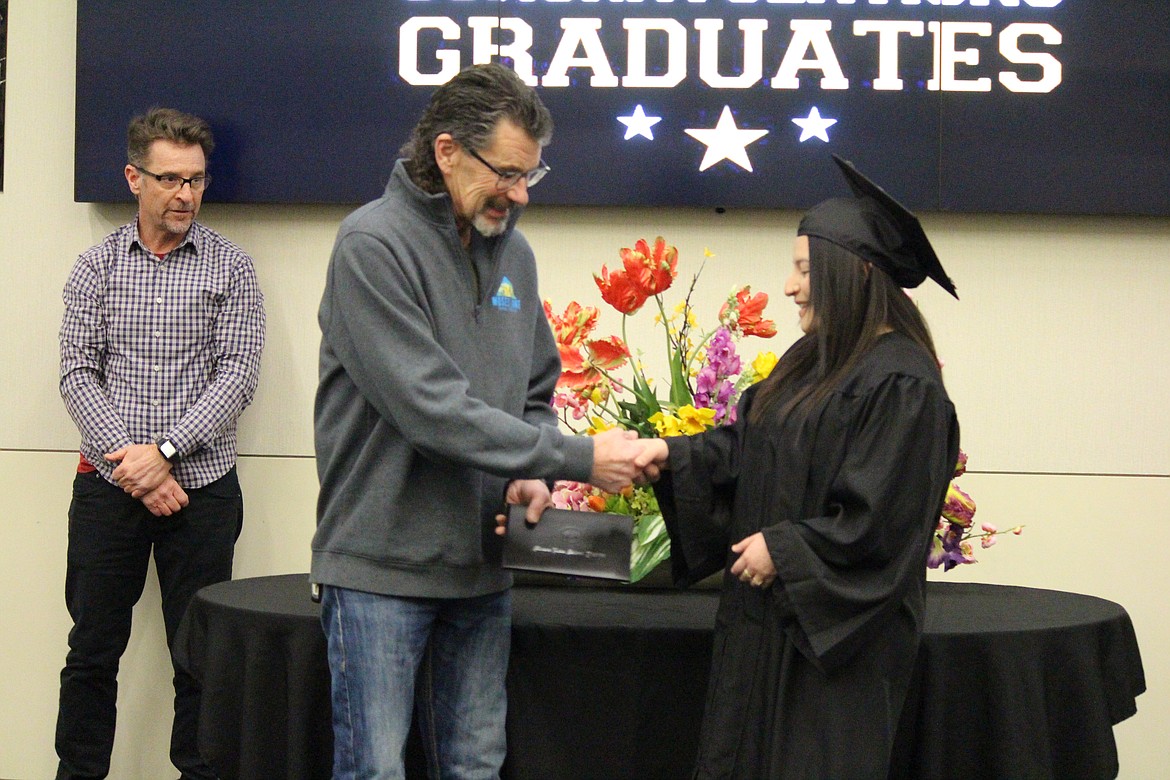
x=853 y=305
x=469 y=107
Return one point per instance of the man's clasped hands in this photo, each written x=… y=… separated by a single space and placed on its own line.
x=145 y=474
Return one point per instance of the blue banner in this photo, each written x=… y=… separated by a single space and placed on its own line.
x=1040 y=106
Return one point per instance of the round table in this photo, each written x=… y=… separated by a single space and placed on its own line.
x=608 y=682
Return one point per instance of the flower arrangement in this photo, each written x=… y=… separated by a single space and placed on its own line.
x=603 y=385
x=954 y=537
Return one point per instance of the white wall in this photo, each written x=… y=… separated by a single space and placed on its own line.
x=1055 y=358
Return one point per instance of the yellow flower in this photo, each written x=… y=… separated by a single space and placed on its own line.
x=692 y=420
x=764 y=363
x=597 y=425
x=665 y=424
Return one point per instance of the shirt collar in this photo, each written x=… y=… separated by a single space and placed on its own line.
x=193 y=239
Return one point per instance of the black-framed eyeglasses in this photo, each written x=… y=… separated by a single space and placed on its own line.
x=173 y=181
x=506 y=181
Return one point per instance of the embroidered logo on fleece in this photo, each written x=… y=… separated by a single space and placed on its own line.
x=505 y=298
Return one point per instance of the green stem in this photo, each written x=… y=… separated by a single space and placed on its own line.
x=646 y=401
x=694 y=353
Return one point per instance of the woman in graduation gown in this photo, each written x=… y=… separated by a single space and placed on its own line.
x=819 y=505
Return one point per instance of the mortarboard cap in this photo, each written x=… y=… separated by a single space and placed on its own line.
x=878 y=229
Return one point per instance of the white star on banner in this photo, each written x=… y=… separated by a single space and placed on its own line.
x=639 y=124
x=814 y=125
x=726 y=142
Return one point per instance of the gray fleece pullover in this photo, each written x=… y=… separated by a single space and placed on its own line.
x=433 y=395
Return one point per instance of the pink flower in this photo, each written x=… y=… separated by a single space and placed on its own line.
x=573 y=402
x=570 y=495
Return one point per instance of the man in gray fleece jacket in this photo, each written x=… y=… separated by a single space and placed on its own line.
x=436 y=371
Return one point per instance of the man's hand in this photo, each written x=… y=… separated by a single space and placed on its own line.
x=615 y=453
x=141 y=468
x=166 y=499
x=754 y=565
x=652 y=459
x=532 y=492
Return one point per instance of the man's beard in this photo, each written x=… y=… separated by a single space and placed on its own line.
x=178 y=227
x=487 y=227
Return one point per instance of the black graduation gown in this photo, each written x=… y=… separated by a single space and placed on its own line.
x=809 y=675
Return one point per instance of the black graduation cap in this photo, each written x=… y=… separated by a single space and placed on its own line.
x=878 y=229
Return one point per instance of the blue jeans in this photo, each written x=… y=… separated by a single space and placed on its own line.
x=447 y=659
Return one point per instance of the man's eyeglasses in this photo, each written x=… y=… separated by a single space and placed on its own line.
x=507 y=181
x=173 y=181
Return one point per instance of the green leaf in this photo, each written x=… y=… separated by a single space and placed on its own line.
x=649 y=547
x=618 y=504
x=680 y=391
x=637 y=417
x=647 y=402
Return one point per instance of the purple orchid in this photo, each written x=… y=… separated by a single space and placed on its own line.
x=949 y=548
x=713 y=386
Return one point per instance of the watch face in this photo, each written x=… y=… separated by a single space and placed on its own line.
x=167 y=449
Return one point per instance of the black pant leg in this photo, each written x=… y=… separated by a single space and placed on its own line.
x=108 y=556
x=194 y=548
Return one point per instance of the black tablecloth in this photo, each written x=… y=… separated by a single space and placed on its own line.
x=1019 y=683
x=608 y=683
x=258 y=649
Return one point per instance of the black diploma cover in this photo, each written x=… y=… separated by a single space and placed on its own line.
x=581 y=544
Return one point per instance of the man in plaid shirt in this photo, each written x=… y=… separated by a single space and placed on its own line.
x=160 y=353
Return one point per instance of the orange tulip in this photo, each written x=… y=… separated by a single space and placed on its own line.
x=619 y=291
x=748 y=314
x=581 y=371
x=574 y=325
x=653 y=271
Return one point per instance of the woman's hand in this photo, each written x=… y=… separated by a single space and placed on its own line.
x=754 y=565
x=652 y=460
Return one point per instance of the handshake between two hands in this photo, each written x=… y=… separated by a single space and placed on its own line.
x=621 y=458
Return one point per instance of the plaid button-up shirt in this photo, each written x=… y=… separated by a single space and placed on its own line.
x=169 y=348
